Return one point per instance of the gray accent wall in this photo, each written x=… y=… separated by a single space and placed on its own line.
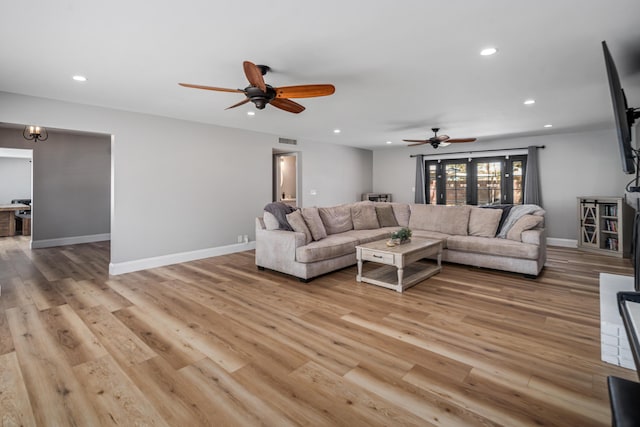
x=181 y=186
x=571 y=165
x=71 y=183
x=15 y=179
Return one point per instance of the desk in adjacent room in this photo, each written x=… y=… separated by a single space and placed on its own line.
x=8 y=218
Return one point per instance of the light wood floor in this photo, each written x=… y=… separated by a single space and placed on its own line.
x=216 y=342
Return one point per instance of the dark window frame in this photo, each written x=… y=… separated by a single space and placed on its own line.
x=506 y=181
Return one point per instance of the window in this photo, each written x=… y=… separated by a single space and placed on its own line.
x=479 y=181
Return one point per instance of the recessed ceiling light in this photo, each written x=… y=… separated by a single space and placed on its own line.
x=529 y=102
x=548 y=126
x=389 y=142
x=80 y=78
x=251 y=113
x=336 y=131
x=488 y=51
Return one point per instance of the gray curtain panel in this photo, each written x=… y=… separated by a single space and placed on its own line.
x=420 y=180
x=531 y=179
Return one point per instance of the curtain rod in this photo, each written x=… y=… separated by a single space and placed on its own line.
x=477 y=151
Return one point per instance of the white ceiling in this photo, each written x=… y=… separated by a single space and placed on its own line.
x=399 y=67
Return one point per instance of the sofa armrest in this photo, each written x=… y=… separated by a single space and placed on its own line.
x=273 y=247
x=533 y=237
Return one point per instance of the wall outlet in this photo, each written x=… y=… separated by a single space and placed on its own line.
x=245 y=239
x=239 y=238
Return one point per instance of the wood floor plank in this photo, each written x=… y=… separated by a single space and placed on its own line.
x=6 y=340
x=116 y=399
x=43 y=294
x=235 y=404
x=159 y=308
x=73 y=336
x=172 y=395
x=55 y=394
x=427 y=406
x=171 y=347
x=15 y=407
x=119 y=341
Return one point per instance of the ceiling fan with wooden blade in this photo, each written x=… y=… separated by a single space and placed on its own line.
x=262 y=94
x=436 y=139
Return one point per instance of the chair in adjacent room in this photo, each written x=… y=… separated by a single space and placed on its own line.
x=23 y=218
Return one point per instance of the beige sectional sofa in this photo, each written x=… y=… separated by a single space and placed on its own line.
x=324 y=239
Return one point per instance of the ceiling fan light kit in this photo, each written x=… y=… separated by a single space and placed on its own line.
x=262 y=94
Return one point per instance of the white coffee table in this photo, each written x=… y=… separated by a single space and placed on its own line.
x=403 y=265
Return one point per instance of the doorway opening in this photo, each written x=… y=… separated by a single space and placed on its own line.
x=16 y=188
x=286 y=182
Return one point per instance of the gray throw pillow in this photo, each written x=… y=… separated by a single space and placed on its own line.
x=385 y=215
x=312 y=218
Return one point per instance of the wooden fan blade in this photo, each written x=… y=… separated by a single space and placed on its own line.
x=461 y=140
x=419 y=143
x=244 y=101
x=422 y=141
x=304 y=91
x=287 y=105
x=219 y=89
x=254 y=75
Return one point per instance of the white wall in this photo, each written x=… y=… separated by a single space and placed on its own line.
x=336 y=174
x=181 y=186
x=15 y=179
x=571 y=165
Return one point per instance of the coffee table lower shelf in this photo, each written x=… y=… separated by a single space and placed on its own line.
x=387 y=275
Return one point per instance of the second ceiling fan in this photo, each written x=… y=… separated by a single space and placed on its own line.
x=436 y=139
x=262 y=94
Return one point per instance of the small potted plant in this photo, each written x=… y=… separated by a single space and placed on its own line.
x=401 y=236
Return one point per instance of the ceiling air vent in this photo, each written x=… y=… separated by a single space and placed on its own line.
x=287 y=141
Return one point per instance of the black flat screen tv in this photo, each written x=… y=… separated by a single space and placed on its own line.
x=624 y=116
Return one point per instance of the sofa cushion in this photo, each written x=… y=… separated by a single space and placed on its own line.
x=312 y=218
x=364 y=217
x=500 y=247
x=402 y=213
x=526 y=222
x=332 y=246
x=296 y=221
x=441 y=218
x=336 y=219
x=484 y=222
x=431 y=235
x=366 y=236
x=385 y=215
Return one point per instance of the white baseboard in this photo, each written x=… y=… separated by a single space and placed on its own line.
x=160 y=261
x=565 y=243
x=75 y=240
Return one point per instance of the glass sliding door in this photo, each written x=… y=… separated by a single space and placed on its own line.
x=517 y=174
x=432 y=182
x=489 y=182
x=479 y=181
x=455 y=186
